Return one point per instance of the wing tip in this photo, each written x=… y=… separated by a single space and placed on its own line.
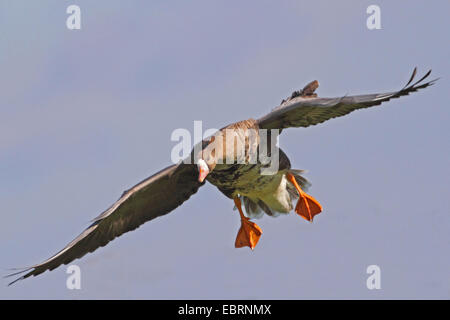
x=19 y=278
x=411 y=78
x=408 y=88
x=16 y=280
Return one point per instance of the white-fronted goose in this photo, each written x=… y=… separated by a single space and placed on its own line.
x=243 y=181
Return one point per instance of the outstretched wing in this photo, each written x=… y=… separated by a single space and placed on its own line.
x=304 y=111
x=151 y=198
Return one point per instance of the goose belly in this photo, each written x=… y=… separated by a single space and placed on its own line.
x=248 y=181
x=274 y=194
x=241 y=179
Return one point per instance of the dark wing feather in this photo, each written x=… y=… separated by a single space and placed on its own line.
x=305 y=112
x=151 y=198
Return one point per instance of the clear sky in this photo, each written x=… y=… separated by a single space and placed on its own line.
x=85 y=114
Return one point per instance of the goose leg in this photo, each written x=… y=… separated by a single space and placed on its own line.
x=249 y=233
x=307 y=207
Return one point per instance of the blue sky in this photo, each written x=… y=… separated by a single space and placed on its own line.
x=85 y=114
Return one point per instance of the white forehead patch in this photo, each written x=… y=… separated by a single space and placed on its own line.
x=202 y=164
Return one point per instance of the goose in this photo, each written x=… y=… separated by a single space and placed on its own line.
x=242 y=179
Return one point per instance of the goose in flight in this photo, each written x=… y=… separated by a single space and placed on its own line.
x=241 y=180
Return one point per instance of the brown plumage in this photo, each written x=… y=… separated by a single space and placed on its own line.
x=272 y=194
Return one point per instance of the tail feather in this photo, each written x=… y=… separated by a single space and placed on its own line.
x=257 y=208
x=267 y=209
x=302 y=182
x=252 y=209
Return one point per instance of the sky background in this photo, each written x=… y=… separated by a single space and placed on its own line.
x=85 y=114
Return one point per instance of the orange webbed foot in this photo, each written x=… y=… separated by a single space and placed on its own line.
x=248 y=235
x=307 y=207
